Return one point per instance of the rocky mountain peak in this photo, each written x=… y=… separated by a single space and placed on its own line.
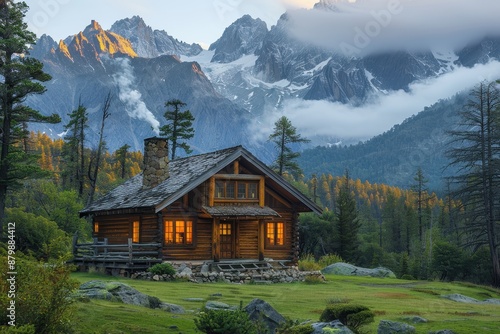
x=242 y=37
x=88 y=45
x=150 y=43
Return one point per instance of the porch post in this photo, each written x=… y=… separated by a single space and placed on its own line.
x=262 y=236
x=161 y=238
x=295 y=237
x=216 y=240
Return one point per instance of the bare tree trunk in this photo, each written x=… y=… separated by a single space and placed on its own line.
x=100 y=146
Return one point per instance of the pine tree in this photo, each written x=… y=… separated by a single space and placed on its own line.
x=21 y=76
x=476 y=150
x=74 y=150
x=347 y=224
x=179 y=128
x=283 y=135
x=121 y=156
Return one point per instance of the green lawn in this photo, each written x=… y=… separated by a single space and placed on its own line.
x=390 y=299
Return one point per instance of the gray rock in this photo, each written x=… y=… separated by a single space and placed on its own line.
x=194 y=299
x=120 y=292
x=337 y=325
x=214 y=305
x=259 y=310
x=172 y=308
x=393 y=327
x=205 y=269
x=469 y=300
x=415 y=319
x=185 y=273
x=346 y=269
x=443 y=331
x=492 y=301
x=461 y=298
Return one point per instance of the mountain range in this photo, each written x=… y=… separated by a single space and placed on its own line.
x=249 y=73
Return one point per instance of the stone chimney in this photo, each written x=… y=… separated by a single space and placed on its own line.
x=155 y=162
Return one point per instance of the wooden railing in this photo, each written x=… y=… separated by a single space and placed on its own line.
x=129 y=255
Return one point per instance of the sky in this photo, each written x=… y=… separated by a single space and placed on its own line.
x=191 y=21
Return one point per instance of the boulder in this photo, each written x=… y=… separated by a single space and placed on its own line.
x=346 y=269
x=120 y=292
x=334 y=325
x=261 y=311
x=393 y=327
x=461 y=298
x=214 y=305
x=172 y=308
x=415 y=319
x=443 y=331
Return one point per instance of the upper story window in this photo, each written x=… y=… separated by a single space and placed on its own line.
x=231 y=189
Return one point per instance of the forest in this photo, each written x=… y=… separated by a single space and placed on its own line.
x=410 y=231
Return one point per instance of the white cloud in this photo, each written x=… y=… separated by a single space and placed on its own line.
x=336 y=120
x=369 y=26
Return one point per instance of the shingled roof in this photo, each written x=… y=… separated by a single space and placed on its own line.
x=185 y=175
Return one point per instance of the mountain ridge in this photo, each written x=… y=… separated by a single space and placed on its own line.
x=249 y=73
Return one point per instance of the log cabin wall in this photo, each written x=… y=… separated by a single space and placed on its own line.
x=247 y=243
x=119 y=228
x=187 y=209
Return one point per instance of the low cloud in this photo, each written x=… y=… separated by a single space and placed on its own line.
x=371 y=26
x=351 y=124
x=135 y=107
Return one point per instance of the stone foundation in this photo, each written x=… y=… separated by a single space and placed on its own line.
x=206 y=273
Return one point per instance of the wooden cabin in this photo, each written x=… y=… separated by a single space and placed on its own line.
x=223 y=205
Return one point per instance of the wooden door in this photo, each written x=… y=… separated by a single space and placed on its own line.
x=227 y=240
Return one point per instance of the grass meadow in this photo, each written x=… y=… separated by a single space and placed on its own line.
x=390 y=299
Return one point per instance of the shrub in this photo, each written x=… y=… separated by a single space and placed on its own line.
x=408 y=277
x=307 y=262
x=353 y=316
x=162 y=269
x=224 y=322
x=294 y=327
x=313 y=280
x=38 y=236
x=28 y=329
x=329 y=259
x=43 y=296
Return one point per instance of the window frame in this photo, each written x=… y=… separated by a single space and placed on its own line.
x=174 y=232
x=222 y=190
x=276 y=229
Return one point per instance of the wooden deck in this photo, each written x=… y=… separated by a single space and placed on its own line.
x=116 y=258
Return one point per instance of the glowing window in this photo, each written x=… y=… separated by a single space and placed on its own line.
x=225 y=229
x=135 y=231
x=275 y=233
x=178 y=232
x=96 y=227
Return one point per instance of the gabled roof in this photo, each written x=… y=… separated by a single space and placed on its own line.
x=185 y=175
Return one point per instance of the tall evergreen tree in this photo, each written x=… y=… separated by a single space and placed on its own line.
x=421 y=191
x=74 y=150
x=20 y=77
x=179 y=126
x=476 y=151
x=283 y=135
x=347 y=224
x=121 y=156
